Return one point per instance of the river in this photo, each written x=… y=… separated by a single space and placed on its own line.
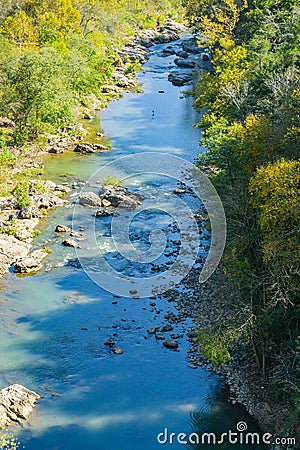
x=53 y=325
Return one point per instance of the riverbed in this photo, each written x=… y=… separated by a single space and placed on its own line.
x=53 y=325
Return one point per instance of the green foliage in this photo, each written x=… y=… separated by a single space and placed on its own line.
x=7 y=158
x=215 y=348
x=21 y=193
x=251 y=128
x=111 y=181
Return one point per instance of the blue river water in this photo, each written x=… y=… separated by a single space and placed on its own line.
x=53 y=324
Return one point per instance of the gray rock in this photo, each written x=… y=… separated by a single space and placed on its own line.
x=31 y=263
x=62 y=188
x=56 y=150
x=181 y=62
x=89 y=199
x=7 y=123
x=120 y=197
x=170 y=344
x=101 y=147
x=47 y=200
x=191 y=46
x=104 y=213
x=118 y=350
x=16 y=403
x=62 y=229
x=84 y=148
x=151 y=330
x=7 y=203
x=70 y=243
x=182 y=54
x=168 y=52
x=110 y=342
x=30 y=212
x=159 y=336
x=11 y=251
x=180 y=78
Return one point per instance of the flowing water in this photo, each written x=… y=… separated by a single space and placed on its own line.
x=53 y=325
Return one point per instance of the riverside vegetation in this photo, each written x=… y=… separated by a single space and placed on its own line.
x=251 y=132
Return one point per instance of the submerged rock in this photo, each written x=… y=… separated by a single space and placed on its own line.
x=16 y=403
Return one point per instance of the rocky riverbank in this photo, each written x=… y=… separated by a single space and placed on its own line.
x=204 y=304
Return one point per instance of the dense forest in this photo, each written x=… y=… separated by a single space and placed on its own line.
x=251 y=131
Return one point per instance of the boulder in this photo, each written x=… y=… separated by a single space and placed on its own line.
x=31 y=263
x=70 y=243
x=30 y=212
x=123 y=81
x=7 y=203
x=182 y=54
x=84 y=148
x=120 y=197
x=180 y=78
x=11 y=251
x=56 y=150
x=62 y=229
x=181 y=62
x=61 y=188
x=16 y=403
x=110 y=342
x=89 y=199
x=168 y=52
x=170 y=344
x=101 y=147
x=47 y=200
x=118 y=350
x=7 y=123
x=191 y=46
x=104 y=213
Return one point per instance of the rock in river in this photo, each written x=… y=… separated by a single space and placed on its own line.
x=180 y=78
x=120 y=196
x=16 y=403
x=70 y=243
x=118 y=350
x=89 y=199
x=184 y=62
x=62 y=229
x=170 y=344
